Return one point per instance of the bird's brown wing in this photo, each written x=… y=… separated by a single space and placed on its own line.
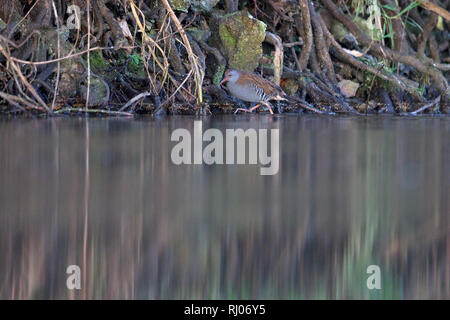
x=270 y=88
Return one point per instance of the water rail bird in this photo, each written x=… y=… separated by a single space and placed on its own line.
x=251 y=87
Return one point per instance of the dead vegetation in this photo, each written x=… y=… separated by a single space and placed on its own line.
x=136 y=56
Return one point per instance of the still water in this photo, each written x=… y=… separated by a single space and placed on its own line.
x=103 y=194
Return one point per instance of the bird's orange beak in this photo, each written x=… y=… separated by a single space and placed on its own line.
x=223 y=81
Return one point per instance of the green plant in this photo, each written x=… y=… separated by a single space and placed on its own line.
x=378 y=12
x=136 y=63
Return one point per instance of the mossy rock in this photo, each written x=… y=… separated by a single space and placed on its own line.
x=364 y=26
x=199 y=34
x=241 y=38
x=98 y=63
x=203 y=5
x=339 y=31
x=218 y=75
x=196 y=5
x=98 y=92
x=71 y=69
x=180 y=5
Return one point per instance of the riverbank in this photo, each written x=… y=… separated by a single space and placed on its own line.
x=168 y=57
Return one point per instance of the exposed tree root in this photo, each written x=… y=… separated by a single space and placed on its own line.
x=426 y=67
x=303 y=25
x=146 y=50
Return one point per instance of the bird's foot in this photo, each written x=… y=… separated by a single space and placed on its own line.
x=242 y=109
x=256 y=107
x=264 y=103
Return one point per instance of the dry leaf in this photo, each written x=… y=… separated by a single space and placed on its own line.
x=354 y=53
x=125 y=30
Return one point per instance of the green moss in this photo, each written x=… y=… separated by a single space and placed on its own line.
x=364 y=27
x=2 y=24
x=228 y=40
x=241 y=37
x=97 y=61
x=218 y=75
x=180 y=5
x=122 y=58
x=98 y=92
x=339 y=31
x=136 y=64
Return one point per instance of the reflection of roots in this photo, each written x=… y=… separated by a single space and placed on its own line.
x=171 y=64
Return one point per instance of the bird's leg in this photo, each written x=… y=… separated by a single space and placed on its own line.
x=248 y=110
x=255 y=107
x=266 y=104
x=241 y=109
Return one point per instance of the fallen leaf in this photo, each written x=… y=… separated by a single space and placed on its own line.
x=440 y=24
x=125 y=30
x=354 y=53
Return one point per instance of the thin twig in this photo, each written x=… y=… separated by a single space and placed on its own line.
x=293 y=44
x=427 y=106
x=133 y=100
x=58 y=72
x=100 y=111
x=175 y=92
x=88 y=91
x=18 y=100
x=151 y=44
x=198 y=74
x=36 y=63
x=24 y=80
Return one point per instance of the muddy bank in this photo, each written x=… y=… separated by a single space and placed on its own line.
x=168 y=57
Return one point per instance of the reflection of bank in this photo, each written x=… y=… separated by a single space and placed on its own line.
x=235 y=140
x=346 y=198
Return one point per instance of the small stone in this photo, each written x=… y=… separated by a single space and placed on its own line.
x=348 y=88
x=203 y=5
x=196 y=5
x=199 y=34
x=342 y=35
x=98 y=92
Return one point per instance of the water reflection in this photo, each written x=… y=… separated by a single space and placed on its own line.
x=104 y=195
